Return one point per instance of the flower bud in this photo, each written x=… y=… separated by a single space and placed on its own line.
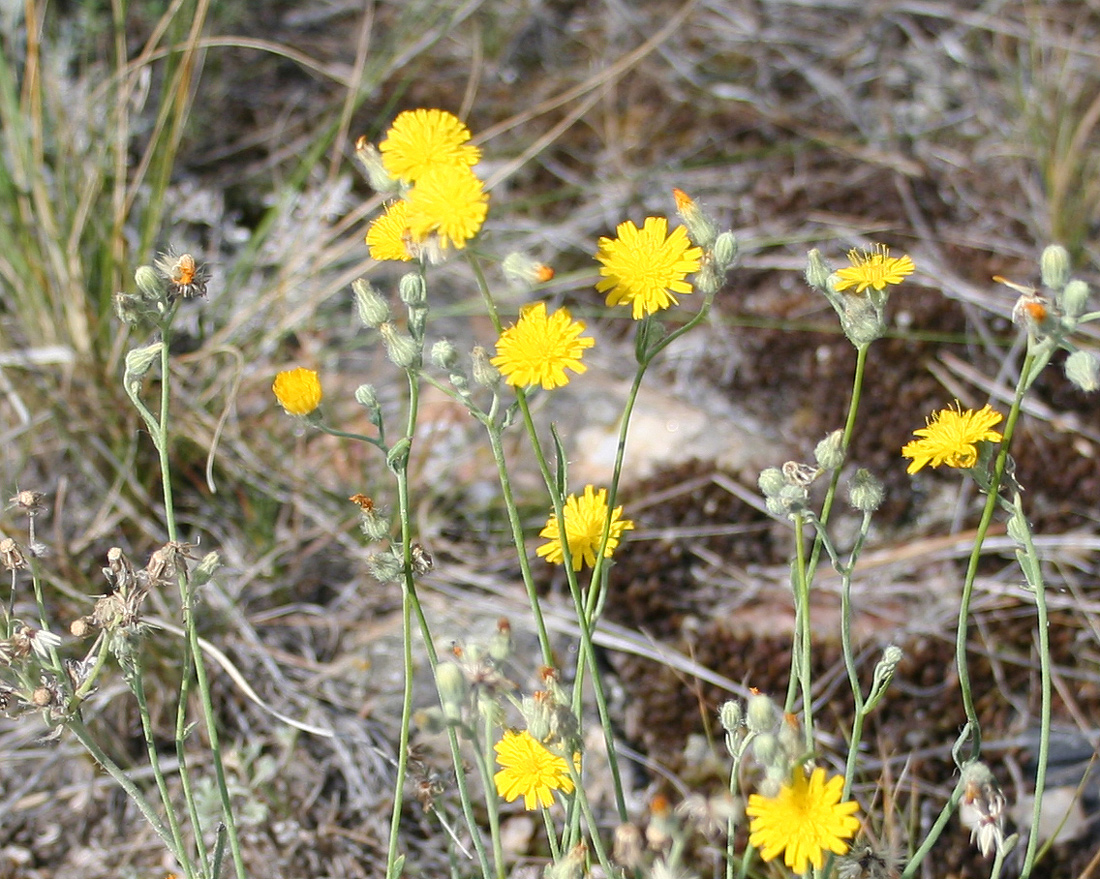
x=384 y=567
x=772 y=482
x=377 y=175
x=829 y=453
x=128 y=308
x=884 y=673
x=411 y=289
x=366 y=396
x=372 y=308
x=500 y=645
x=443 y=354
x=726 y=251
x=453 y=689
x=205 y=569
x=865 y=492
x=149 y=282
x=1083 y=369
x=1054 y=267
x=765 y=748
x=731 y=716
x=1074 y=300
x=139 y=360
x=523 y=272
x=701 y=229
x=760 y=714
x=817 y=270
x=485 y=374
x=400 y=347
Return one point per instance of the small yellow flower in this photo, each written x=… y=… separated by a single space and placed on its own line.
x=644 y=267
x=448 y=201
x=538 y=349
x=298 y=390
x=806 y=819
x=584 y=522
x=420 y=140
x=388 y=236
x=951 y=438
x=873 y=268
x=528 y=768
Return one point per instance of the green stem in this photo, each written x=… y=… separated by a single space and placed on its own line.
x=411 y=605
x=514 y=522
x=802 y=625
x=1035 y=581
x=85 y=738
x=992 y=494
x=137 y=686
x=160 y=439
x=934 y=832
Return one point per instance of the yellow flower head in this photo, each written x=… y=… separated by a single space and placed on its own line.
x=584 y=521
x=644 y=267
x=528 y=768
x=539 y=348
x=420 y=140
x=951 y=438
x=447 y=201
x=298 y=390
x=873 y=268
x=388 y=236
x=805 y=819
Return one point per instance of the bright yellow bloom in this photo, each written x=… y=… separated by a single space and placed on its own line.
x=423 y=139
x=449 y=202
x=643 y=268
x=806 y=818
x=538 y=349
x=951 y=438
x=298 y=390
x=388 y=236
x=584 y=521
x=528 y=768
x=873 y=268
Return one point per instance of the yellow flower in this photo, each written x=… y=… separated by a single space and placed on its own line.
x=873 y=268
x=584 y=521
x=538 y=349
x=388 y=236
x=806 y=818
x=643 y=268
x=298 y=390
x=951 y=438
x=449 y=201
x=420 y=140
x=528 y=768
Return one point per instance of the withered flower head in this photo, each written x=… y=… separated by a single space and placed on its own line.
x=29 y=501
x=10 y=555
x=185 y=277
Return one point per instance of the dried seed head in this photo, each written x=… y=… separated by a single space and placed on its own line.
x=11 y=556
x=629 y=847
x=30 y=502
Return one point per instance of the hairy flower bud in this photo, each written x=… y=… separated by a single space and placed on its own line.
x=1074 y=300
x=726 y=251
x=149 y=282
x=372 y=308
x=411 y=289
x=1054 y=267
x=865 y=492
x=817 y=270
x=400 y=347
x=1083 y=369
x=829 y=453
